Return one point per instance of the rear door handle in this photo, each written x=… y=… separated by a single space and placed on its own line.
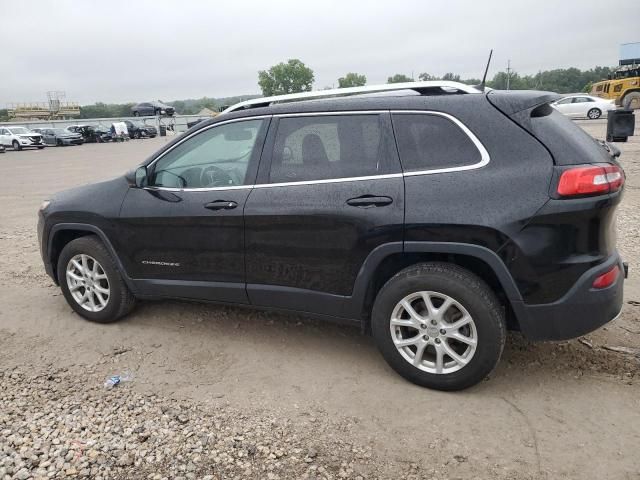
x=221 y=205
x=366 y=201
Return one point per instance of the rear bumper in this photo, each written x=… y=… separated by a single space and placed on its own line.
x=582 y=310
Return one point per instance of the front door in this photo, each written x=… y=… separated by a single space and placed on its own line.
x=184 y=234
x=329 y=192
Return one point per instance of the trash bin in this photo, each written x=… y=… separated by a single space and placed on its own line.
x=620 y=125
x=163 y=131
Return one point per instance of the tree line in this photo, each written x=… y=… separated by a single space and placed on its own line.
x=294 y=76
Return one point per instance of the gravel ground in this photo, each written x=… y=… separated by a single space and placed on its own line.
x=220 y=392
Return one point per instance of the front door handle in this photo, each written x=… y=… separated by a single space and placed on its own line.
x=221 y=205
x=366 y=201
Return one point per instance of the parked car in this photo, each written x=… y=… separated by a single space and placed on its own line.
x=584 y=106
x=61 y=137
x=140 y=130
x=20 y=137
x=152 y=108
x=403 y=214
x=91 y=133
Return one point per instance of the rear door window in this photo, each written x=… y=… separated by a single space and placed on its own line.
x=326 y=147
x=430 y=142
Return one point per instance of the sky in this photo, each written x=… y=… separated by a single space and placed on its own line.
x=117 y=51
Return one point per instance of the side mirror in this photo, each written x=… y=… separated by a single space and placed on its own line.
x=137 y=178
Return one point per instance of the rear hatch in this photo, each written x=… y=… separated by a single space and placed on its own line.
x=576 y=229
x=567 y=143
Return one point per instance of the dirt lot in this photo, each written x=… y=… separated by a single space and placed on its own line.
x=221 y=392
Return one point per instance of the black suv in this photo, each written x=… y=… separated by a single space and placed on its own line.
x=435 y=218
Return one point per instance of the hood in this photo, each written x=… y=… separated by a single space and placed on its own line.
x=30 y=134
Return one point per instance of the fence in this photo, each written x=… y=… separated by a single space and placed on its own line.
x=178 y=122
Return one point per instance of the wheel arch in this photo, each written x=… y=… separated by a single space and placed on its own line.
x=63 y=233
x=481 y=261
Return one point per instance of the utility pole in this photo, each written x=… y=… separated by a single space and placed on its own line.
x=508 y=73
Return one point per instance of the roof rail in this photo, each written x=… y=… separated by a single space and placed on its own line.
x=432 y=86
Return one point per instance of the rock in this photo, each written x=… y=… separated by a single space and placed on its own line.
x=22 y=474
x=125 y=460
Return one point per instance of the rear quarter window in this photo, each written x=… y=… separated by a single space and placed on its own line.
x=430 y=142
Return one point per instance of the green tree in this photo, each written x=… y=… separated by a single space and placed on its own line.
x=399 y=78
x=352 y=80
x=451 y=77
x=425 y=77
x=291 y=77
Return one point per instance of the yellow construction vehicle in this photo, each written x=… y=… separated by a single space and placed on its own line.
x=623 y=86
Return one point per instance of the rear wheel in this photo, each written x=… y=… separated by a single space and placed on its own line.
x=631 y=101
x=439 y=326
x=91 y=282
x=16 y=145
x=594 y=113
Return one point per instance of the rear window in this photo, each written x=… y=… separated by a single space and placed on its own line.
x=429 y=142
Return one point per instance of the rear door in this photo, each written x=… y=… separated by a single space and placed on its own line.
x=329 y=192
x=48 y=137
x=183 y=235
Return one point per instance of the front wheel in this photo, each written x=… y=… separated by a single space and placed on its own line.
x=439 y=326
x=594 y=113
x=91 y=282
x=136 y=114
x=16 y=145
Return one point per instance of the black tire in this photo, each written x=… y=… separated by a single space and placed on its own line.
x=136 y=135
x=120 y=302
x=631 y=101
x=59 y=143
x=464 y=287
x=16 y=145
x=136 y=114
x=40 y=148
x=594 y=114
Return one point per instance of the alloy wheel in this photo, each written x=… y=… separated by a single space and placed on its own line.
x=88 y=283
x=594 y=113
x=433 y=332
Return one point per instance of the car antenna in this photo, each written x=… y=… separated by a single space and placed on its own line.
x=484 y=77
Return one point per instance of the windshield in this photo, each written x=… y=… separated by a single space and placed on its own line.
x=19 y=130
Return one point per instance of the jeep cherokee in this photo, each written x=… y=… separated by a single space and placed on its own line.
x=434 y=215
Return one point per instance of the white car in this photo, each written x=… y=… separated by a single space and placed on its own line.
x=20 y=137
x=584 y=106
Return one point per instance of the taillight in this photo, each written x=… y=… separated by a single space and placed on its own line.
x=607 y=279
x=591 y=180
